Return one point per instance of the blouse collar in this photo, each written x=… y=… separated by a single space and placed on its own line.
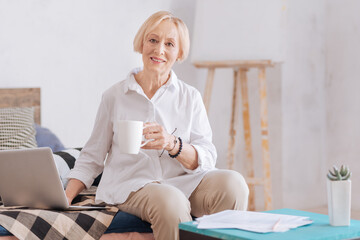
x=132 y=84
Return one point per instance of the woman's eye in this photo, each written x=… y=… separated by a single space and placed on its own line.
x=170 y=44
x=152 y=40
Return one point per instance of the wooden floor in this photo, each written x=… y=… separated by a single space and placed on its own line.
x=355 y=214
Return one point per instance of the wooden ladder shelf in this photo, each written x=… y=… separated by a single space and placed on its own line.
x=241 y=68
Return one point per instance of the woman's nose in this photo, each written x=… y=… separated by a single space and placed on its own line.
x=159 y=49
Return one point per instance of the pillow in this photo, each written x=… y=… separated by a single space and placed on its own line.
x=65 y=161
x=45 y=138
x=17 y=128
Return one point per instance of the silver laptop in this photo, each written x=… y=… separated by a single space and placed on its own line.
x=29 y=177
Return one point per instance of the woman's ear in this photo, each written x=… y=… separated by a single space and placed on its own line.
x=179 y=56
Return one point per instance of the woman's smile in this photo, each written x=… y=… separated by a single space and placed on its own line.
x=157 y=60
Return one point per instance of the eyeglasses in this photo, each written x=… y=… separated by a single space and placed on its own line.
x=164 y=148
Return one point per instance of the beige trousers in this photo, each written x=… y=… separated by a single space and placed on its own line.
x=165 y=206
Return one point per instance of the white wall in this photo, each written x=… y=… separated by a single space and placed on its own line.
x=320 y=99
x=238 y=29
x=342 y=88
x=303 y=107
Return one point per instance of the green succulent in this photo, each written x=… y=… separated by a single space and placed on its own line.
x=339 y=175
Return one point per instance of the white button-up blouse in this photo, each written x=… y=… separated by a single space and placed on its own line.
x=174 y=105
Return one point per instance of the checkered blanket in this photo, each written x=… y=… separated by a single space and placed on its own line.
x=31 y=224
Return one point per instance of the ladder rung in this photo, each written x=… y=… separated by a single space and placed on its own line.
x=255 y=181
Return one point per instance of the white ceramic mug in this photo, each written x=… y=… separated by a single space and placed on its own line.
x=130 y=136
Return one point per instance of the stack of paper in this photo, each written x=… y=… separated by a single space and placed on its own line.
x=252 y=221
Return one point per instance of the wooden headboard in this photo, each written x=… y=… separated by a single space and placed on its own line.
x=21 y=97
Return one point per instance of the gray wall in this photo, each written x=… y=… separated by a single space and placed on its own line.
x=342 y=84
x=303 y=106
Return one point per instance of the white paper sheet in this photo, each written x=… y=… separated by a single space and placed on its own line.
x=252 y=221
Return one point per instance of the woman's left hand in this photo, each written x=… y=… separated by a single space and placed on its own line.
x=162 y=139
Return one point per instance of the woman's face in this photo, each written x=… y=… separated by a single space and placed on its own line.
x=161 y=48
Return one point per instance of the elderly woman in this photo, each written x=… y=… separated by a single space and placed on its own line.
x=163 y=189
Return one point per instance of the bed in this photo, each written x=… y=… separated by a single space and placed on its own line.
x=124 y=226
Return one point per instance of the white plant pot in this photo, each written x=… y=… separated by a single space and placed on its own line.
x=339 y=202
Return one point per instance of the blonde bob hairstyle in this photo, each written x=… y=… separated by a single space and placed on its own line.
x=153 y=21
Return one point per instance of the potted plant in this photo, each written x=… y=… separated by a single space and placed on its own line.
x=339 y=196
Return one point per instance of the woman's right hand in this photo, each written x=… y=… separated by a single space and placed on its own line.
x=73 y=188
x=69 y=200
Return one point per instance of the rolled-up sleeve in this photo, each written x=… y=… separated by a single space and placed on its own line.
x=91 y=160
x=201 y=136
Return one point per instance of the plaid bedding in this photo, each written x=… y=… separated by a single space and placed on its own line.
x=25 y=223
